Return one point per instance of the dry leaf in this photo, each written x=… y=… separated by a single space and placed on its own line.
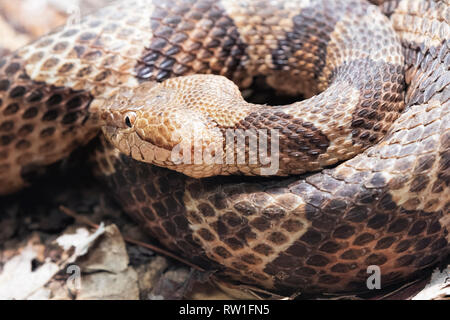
x=108 y=275
x=108 y=286
x=81 y=241
x=109 y=254
x=18 y=281
x=438 y=288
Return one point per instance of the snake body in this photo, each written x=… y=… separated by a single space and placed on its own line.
x=388 y=206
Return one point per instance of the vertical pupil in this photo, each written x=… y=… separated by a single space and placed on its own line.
x=128 y=122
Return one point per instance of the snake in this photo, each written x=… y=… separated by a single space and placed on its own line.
x=362 y=176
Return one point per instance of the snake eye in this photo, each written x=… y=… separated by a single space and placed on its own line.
x=128 y=122
x=129 y=119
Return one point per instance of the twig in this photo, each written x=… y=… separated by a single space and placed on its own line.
x=77 y=217
x=164 y=252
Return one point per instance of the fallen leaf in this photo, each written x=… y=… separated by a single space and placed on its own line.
x=108 y=286
x=438 y=288
x=109 y=254
x=19 y=281
x=81 y=241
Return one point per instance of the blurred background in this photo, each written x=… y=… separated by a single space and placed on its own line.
x=22 y=21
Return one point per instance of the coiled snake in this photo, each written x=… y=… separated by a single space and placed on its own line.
x=137 y=70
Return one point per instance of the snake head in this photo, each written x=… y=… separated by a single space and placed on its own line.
x=150 y=122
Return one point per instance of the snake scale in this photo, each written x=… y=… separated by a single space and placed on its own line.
x=377 y=89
